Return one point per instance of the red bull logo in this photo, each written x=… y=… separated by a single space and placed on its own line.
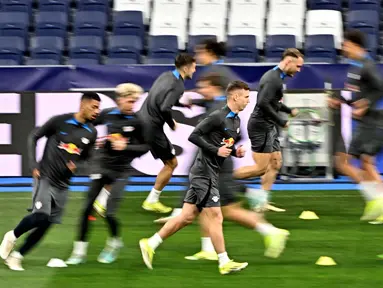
x=70 y=148
x=228 y=142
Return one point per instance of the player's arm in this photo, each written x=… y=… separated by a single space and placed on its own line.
x=268 y=96
x=234 y=149
x=283 y=108
x=203 y=128
x=82 y=165
x=47 y=130
x=372 y=75
x=171 y=98
x=141 y=147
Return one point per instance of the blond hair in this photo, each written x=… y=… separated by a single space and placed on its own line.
x=129 y=90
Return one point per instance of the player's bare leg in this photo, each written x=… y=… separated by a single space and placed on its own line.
x=261 y=161
x=152 y=202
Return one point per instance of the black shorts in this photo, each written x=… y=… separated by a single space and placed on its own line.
x=160 y=147
x=203 y=192
x=263 y=140
x=366 y=140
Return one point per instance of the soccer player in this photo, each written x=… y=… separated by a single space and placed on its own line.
x=364 y=79
x=262 y=126
x=70 y=140
x=208 y=53
x=110 y=167
x=155 y=112
x=215 y=136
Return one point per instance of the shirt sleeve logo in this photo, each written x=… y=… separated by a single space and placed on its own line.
x=85 y=140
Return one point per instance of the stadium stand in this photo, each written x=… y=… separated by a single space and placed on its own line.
x=52 y=32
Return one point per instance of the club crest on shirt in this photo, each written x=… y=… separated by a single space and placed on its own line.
x=237 y=130
x=228 y=142
x=70 y=148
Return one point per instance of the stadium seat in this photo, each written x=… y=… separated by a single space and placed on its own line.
x=88 y=23
x=54 y=5
x=195 y=40
x=163 y=47
x=325 y=22
x=8 y=62
x=239 y=60
x=179 y=8
x=51 y=23
x=364 y=5
x=125 y=47
x=214 y=8
x=169 y=24
x=121 y=61
x=242 y=46
x=248 y=25
x=14 y=24
x=128 y=23
x=205 y=23
x=12 y=48
x=134 y=5
x=325 y=5
x=241 y=8
x=276 y=44
x=284 y=8
x=155 y=61
x=47 y=47
x=85 y=47
x=364 y=20
x=320 y=48
x=93 y=5
x=83 y=61
x=17 y=6
x=372 y=45
x=42 y=61
x=279 y=24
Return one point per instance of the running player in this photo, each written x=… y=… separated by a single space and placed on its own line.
x=262 y=126
x=215 y=136
x=208 y=53
x=231 y=208
x=110 y=167
x=364 y=79
x=155 y=112
x=70 y=140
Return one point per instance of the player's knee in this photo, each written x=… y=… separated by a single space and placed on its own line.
x=173 y=163
x=367 y=161
x=216 y=216
x=187 y=219
x=262 y=167
x=276 y=163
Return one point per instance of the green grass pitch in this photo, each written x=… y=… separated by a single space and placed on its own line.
x=338 y=234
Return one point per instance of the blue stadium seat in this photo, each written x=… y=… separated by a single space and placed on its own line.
x=54 y=5
x=83 y=61
x=364 y=20
x=276 y=44
x=93 y=5
x=51 y=23
x=372 y=45
x=194 y=40
x=242 y=46
x=239 y=60
x=155 y=61
x=128 y=23
x=125 y=47
x=325 y=5
x=364 y=5
x=12 y=48
x=86 y=47
x=14 y=24
x=90 y=23
x=47 y=47
x=42 y=61
x=8 y=62
x=163 y=47
x=17 y=6
x=320 y=48
x=121 y=61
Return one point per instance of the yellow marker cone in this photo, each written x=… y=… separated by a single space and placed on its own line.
x=325 y=261
x=308 y=215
